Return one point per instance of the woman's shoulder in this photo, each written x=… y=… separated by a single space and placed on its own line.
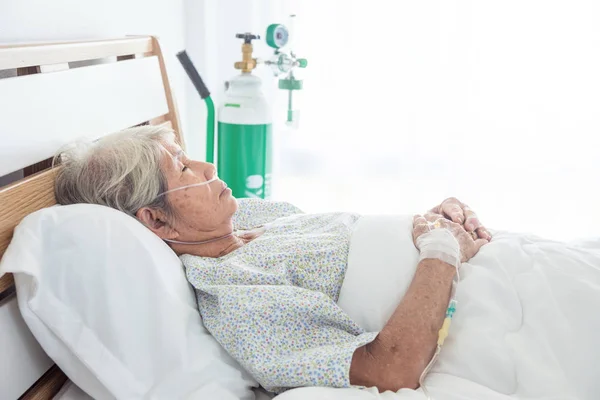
x=254 y=212
x=189 y=260
x=255 y=204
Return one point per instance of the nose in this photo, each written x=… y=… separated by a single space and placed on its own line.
x=207 y=169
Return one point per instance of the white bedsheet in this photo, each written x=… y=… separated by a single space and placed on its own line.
x=526 y=323
x=525 y=327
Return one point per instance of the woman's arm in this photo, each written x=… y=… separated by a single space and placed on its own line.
x=401 y=351
x=404 y=347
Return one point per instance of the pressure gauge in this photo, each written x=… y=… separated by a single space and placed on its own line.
x=277 y=36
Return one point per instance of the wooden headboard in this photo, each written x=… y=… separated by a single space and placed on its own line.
x=61 y=92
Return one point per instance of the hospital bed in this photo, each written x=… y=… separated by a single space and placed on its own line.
x=57 y=92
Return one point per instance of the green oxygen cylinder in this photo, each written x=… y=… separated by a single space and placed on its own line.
x=244 y=135
x=244 y=139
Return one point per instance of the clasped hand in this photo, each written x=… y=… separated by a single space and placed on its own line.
x=459 y=220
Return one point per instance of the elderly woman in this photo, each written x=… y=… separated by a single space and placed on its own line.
x=267 y=276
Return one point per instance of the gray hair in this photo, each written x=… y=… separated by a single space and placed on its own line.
x=121 y=170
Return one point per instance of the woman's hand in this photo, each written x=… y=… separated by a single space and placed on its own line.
x=456 y=211
x=468 y=246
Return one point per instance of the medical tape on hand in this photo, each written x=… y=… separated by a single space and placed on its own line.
x=439 y=244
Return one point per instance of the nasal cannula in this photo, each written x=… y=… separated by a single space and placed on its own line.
x=215 y=178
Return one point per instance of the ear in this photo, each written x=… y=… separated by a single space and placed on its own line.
x=156 y=220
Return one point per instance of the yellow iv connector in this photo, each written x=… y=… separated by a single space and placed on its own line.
x=443 y=332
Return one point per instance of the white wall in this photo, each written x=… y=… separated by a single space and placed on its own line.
x=42 y=20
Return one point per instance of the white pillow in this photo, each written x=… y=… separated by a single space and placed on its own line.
x=110 y=304
x=70 y=391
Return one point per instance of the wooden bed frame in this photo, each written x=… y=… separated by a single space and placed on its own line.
x=35 y=190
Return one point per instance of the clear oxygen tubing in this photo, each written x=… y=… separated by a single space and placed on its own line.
x=215 y=178
x=189 y=186
x=442 y=334
x=200 y=242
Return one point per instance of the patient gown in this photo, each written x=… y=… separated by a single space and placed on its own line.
x=272 y=303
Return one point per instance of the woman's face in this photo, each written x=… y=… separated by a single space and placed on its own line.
x=200 y=211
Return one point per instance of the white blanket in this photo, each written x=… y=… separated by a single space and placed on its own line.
x=526 y=324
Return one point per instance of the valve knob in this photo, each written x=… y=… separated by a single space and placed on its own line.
x=248 y=37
